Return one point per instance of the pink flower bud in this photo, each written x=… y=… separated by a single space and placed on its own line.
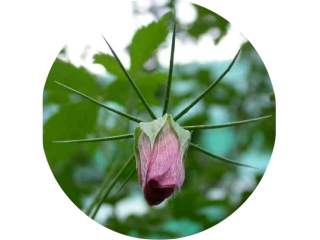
x=160 y=149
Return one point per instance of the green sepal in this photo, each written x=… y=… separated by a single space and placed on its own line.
x=184 y=135
x=153 y=128
x=137 y=133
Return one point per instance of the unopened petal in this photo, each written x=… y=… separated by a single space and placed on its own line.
x=160 y=152
x=145 y=155
x=165 y=171
x=166 y=162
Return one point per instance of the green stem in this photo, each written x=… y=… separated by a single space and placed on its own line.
x=106 y=192
x=101 y=139
x=98 y=195
x=230 y=124
x=135 y=87
x=223 y=159
x=167 y=94
x=129 y=176
x=104 y=184
x=133 y=118
x=212 y=85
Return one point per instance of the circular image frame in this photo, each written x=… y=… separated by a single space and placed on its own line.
x=185 y=173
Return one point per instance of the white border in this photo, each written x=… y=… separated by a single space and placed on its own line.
x=285 y=205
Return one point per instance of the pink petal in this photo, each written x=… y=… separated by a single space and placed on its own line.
x=161 y=168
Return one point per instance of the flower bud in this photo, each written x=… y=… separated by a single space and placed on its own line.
x=160 y=149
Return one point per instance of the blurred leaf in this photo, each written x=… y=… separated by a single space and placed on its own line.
x=75 y=120
x=146 y=40
x=208 y=20
x=109 y=63
x=151 y=82
x=65 y=72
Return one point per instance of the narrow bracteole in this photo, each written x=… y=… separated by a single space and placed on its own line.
x=212 y=85
x=133 y=118
x=101 y=139
x=135 y=87
x=223 y=159
x=100 y=199
x=229 y=124
x=168 y=88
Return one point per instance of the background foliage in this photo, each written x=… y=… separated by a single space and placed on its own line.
x=212 y=190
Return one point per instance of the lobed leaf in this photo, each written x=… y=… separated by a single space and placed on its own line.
x=146 y=40
x=109 y=63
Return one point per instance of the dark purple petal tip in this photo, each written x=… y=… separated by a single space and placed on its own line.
x=155 y=194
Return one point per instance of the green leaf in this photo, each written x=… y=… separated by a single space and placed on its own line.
x=152 y=83
x=66 y=72
x=69 y=122
x=149 y=82
x=206 y=21
x=146 y=40
x=109 y=63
